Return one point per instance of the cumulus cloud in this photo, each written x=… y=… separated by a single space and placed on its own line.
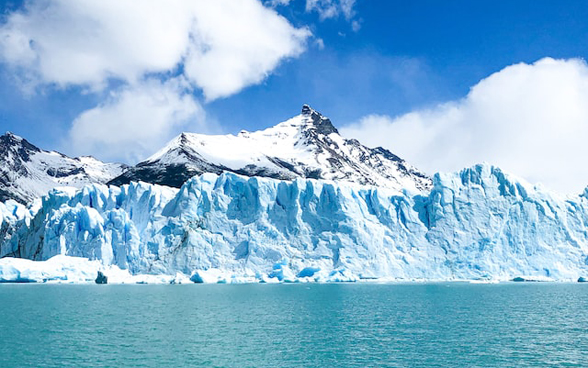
x=135 y=120
x=87 y=42
x=214 y=47
x=529 y=119
x=236 y=46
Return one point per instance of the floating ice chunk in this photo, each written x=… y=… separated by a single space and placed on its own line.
x=342 y=276
x=282 y=272
x=532 y=279
x=58 y=268
x=210 y=276
x=308 y=271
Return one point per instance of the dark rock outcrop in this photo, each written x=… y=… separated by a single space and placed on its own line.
x=101 y=278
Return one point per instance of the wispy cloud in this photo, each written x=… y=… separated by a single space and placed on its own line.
x=332 y=8
x=326 y=9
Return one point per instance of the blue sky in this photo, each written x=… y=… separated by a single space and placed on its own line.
x=370 y=65
x=409 y=54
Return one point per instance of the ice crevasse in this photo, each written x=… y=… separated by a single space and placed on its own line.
x=479 y=223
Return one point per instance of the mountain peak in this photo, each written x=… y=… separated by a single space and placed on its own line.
x=301 y=147
x=10 y=142
x=183 y=139
x=322 y=124
x=10 y=137
x=307 y=110
x=28 y=171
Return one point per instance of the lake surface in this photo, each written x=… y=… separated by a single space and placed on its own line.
x=311 y=325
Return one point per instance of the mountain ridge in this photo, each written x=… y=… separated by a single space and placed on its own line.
x=305 y=146
x=28 y=172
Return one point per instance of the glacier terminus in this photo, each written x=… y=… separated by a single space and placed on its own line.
x=296 y=202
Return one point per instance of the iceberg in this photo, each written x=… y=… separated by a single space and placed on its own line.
x=476 y=224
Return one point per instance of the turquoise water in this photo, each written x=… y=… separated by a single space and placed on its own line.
x=329 y=325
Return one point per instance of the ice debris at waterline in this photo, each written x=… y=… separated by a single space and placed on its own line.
x=65 y=269
x=478 y=224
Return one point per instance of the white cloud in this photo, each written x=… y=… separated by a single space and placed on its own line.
x=531 y=120
x=238 y=44
x=331 y=8
x=326 y=9
x=135 y=121
x=274 y=3
x=217 y=47
x=320 y=44
x=226 y=44
x=87 y=42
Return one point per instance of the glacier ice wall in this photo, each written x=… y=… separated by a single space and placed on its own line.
x=478 y=223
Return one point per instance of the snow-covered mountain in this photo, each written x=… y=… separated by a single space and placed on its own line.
x=306 y=146
x=28 y=172
x=479 y=223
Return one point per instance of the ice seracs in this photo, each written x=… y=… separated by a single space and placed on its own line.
x=306 y=146
x=476 y=224
x=28 y=172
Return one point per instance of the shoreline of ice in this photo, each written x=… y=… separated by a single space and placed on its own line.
x=478 y=224
x=62 y=269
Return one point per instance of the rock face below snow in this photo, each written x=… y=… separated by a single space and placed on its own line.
x=479 y=223
x=28 y=172
x=306 y=146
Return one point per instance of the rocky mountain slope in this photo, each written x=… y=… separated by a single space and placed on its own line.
x=28 y=172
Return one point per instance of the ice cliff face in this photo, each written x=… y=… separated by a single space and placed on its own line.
x=306 y=146
x=28 y=172
x=478 y=223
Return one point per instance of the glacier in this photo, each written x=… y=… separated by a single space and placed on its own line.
x=476 y=224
